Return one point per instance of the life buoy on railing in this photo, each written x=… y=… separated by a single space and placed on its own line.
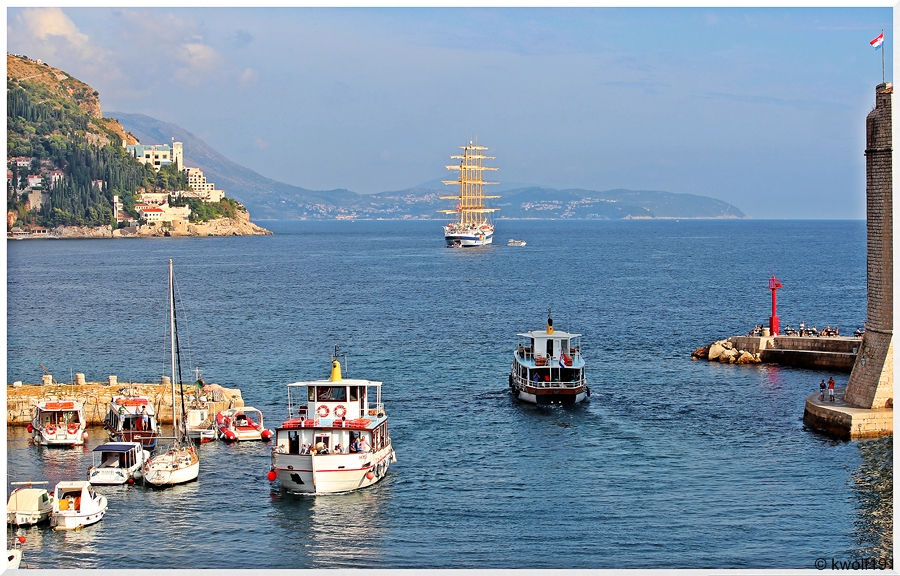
x=50 y=429
x=73 y=428
x=340 y=411
x=322 y=411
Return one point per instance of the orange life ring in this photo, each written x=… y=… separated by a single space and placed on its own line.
x=73 y=428
x=340 y=411
x=50 y=429
x=320 y=412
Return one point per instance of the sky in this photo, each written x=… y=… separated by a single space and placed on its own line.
x=763 y=108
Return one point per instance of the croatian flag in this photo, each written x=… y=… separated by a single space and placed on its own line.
x=876 y=43
x=562 y=362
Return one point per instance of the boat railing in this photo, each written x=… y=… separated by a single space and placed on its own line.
x=375 y=409
x=526 y=354
x=543 y=384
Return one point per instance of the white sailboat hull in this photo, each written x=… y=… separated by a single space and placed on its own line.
x=332 y=473
x=166 y=470
x=468 y=238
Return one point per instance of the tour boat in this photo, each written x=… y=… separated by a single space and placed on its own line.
x=238 y=424
x=28 y=505
x=125 y=421
x=473 y=226
x=548 y=368
x=180 y=463
x=337 y=442
x=117 y=463
x=200 y=427
x=58 y=423
x=76 y=504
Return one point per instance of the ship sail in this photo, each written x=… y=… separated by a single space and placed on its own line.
x=473 y=226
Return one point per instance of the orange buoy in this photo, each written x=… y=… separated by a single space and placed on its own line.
x=370 y=475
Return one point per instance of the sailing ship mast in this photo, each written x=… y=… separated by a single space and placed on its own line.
x=470 y=200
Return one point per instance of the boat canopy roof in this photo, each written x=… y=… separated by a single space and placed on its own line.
x=545 y=334
x=25 y=499
x=344 y=382
x=117 y=447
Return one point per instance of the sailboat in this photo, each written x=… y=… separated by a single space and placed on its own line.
x=181 y=462
x=473 y=226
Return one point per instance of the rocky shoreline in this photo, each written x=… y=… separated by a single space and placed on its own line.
x=216 y=227
x=724 y=351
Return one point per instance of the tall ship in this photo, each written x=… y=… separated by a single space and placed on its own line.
x=335 y=440
x=473 y=226
x=548 y=368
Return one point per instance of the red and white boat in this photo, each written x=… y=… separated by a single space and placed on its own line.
x=337 y=442
x=238 y=424
x=58 y=423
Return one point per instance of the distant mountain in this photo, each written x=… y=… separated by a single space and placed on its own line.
x=268 y=199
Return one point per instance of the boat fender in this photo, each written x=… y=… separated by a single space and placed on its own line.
x=370 y=475
x=50 y=429
x=84 y=435
x=340 y=411
x=322 y=411
x=30 y=428
x=271 y=475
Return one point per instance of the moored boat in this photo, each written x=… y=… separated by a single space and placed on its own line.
x=180 y=463
x=117 y=463
x=239 y=424
x=76 y=504
x=338 y=441
x=473 y=226
x=200 y=426
x=28 y=504
x=132 y=419
x=58 y=423
x=548 y=368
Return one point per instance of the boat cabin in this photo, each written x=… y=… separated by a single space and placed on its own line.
x=549 y=357
x=59 y=414
x=132 y=419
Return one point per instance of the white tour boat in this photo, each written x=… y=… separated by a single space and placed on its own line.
x=548 y=368
x=181 y=462
x=58 y=423
x=238 y=424
x=132 y=419
x=28 y=505
x=76 y=504
x=117 y=463
x=473 y=226
x=200 y=426
x=337 y=442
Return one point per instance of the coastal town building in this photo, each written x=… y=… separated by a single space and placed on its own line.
x=56 y=177
x=200 y=188
x=98 y=184
x=157 y=155
x=34 y=181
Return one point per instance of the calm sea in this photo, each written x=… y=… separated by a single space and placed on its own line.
x=672 y=464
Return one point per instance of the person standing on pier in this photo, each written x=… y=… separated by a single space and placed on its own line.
x=831 y=389
x=822 y=390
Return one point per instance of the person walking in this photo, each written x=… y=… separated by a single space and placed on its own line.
x=822 y=390
x=831 y=389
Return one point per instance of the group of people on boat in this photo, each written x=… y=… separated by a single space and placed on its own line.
x=360 y=444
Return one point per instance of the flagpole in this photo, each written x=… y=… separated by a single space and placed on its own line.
x=882 y=58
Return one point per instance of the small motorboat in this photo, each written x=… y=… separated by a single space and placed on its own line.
x=513 y=242
x=132 y=419
x=238 y=424
x=14 y=553
x=76 y=504
x=116 y=463
x=200 y=427
x=58 y=423
x=28 y=505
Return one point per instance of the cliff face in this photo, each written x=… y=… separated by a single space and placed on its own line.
x=57 y=87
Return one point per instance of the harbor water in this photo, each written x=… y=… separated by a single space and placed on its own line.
x=672 y=464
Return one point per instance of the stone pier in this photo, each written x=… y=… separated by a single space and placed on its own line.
x=846 y=421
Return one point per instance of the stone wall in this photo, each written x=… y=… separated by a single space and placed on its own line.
x=871 y=382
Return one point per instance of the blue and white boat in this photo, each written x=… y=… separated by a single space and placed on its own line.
x=473 y=226
x=117 y=463
x=548 y=368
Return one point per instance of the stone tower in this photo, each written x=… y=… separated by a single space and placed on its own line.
x=872 y=380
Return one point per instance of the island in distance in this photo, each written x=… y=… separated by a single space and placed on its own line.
x=268 y=199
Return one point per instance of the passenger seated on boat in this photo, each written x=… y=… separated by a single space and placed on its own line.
x=364 y=444
x=354 y=446
x=304 y=449
x=537 y=378
x=338 y=449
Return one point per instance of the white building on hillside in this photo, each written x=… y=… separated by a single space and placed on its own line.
x=202 y=189
x=157 y=155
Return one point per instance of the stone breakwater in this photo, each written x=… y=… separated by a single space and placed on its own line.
x=727 y=352
x=96 y=396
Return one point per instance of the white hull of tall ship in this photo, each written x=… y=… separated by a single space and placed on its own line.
x=468 y=237
x=344 y=445
x=175 y=466
x=548 y=368
x=76 y=505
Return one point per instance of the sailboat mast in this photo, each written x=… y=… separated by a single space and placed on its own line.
x=172 y=344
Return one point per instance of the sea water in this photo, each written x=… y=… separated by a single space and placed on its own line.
x=673 y=463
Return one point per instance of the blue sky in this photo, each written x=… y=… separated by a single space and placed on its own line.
x=761 y=107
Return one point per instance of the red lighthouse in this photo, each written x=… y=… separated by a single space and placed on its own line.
x=774 y=285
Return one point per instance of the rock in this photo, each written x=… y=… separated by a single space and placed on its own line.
x=745 y=358
x=715 y=350
x=701 y=352
x=728 y=356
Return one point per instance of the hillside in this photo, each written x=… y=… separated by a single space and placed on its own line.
x=269 y=199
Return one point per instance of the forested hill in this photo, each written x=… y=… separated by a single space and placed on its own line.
x=54 y=122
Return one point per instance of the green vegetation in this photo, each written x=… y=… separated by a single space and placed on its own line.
x=202 y=211
x=50 y=125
